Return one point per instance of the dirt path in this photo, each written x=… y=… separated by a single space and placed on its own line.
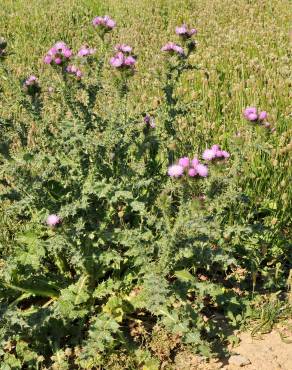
x=269 y=352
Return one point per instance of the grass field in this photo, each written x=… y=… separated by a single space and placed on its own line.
x=242 y=59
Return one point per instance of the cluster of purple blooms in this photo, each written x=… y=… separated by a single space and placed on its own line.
x=185 y=33
x=191 y=167
x=122 y=59
x=73 y=70
x=124 y=48
x=58 y=54
x=252 y=114
x=173 y=48
x=85 y=51
x=3 y=45
x=215 y=152
x=106 y=23
x=194 y=167
x=31 y=80
x=31 y=85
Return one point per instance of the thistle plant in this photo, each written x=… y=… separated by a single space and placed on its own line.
x=121 y=235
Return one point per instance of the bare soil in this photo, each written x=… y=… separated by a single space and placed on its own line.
x=266 y=352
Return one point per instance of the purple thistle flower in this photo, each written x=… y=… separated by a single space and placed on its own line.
x=110 y=23
x=98 y=21
x=117 y=60
x=147 y=119
x=82 y=52
x=123 y=48
x=120 y=60
x=60 y=45
x=48 y=59
x=181 y=30
x=129 y=61
x=249 y=110
x=85 y=51
x=173 y=48
x=73 y=70
x=67 y=53
x=193 y=31
x=250 y=113
x=53 y=220
x=218 y=154
x=175 y=170
x=184 y=162
x=209 y=154
x=58 y=60
x=58 y=54
x=195 y=162
x=252 y=117
x=262 y=116
x=106 y=22
x=178 y=49
x=31 y=80
x=31 y=85
x=225 y=154
x=192 y=172
x=52 y=51
x=202 y=170
x=215 y=147
x=215 y=152
x=184 y=32
x=79 y=73
x=222 y=154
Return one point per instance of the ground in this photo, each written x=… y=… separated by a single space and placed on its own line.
x=267 y=353
x=271 y=351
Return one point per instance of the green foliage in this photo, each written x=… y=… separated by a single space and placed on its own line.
x=101 y=338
